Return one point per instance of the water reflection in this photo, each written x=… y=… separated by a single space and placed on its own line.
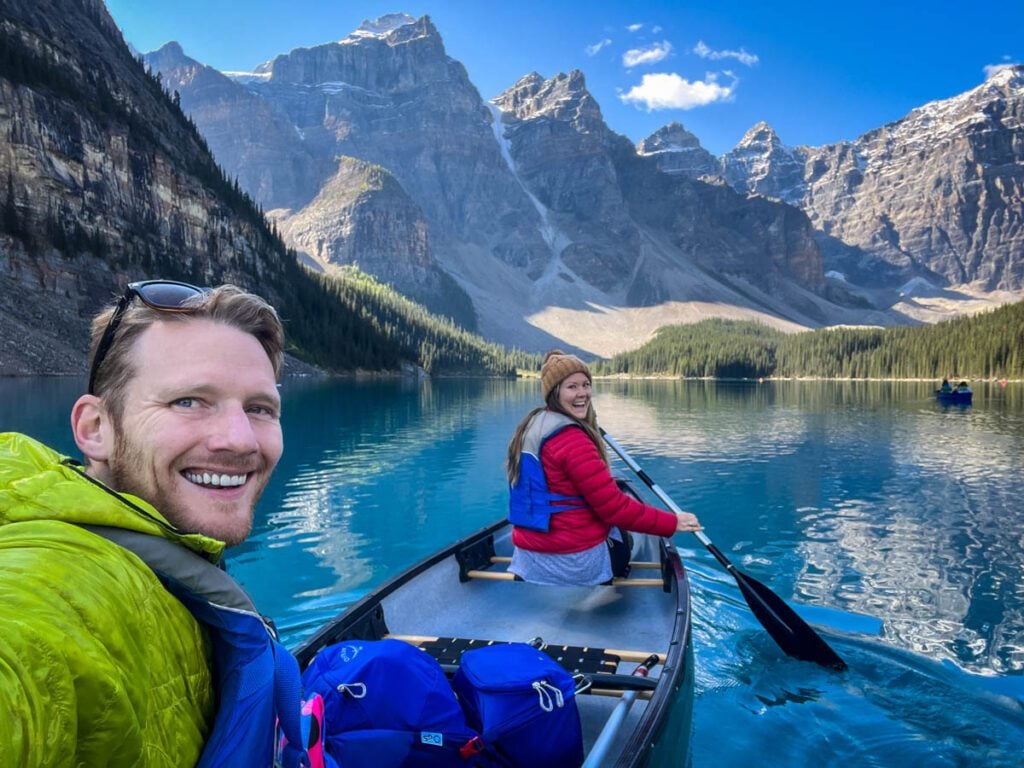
x=870 y=496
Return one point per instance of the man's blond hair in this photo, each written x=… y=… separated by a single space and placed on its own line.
x=226 y=304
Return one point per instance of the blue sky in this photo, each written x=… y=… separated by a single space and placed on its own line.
x=817 y=72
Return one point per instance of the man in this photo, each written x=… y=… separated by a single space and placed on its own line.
x=120 y=643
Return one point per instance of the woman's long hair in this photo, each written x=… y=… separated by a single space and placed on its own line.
x=515 y=445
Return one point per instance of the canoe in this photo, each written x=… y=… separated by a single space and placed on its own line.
x=463 y=596
x=954 y=396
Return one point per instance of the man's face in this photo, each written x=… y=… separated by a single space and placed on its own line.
x=201 y=432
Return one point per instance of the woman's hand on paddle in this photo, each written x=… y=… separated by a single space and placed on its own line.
x=687 y=523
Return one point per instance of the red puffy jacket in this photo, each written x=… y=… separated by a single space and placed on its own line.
x=574 y=467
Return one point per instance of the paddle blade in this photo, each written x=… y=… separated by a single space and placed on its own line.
x=793 y=635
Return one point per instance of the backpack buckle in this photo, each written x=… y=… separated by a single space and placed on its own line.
x=472 y=747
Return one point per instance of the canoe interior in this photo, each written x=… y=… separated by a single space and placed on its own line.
x=435 y=599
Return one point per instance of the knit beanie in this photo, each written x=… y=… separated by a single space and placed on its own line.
x=557 y=366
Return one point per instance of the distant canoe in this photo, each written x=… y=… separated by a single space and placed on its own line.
x=954 y=396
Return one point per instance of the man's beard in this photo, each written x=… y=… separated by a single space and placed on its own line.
x=128 y=475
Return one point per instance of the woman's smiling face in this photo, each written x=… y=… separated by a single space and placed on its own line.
x=574 y=395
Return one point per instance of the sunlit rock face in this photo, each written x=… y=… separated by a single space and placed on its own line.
x=938 y=194
x=762 y=164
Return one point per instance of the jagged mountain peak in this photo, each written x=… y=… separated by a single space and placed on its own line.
x=934 y=194
x=406 y=52
x=170 y=55
x=531 y=80
x=678 y=151
x=393 y=29
x=1008 y=76
x=977 y=111
x=383 y=26
x=672 y=137
x=760 y=163
x=760 y=134
x=170 y=48
x=180 y=69
x=562 y=97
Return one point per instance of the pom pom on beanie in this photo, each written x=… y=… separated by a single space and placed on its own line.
x=557 y=366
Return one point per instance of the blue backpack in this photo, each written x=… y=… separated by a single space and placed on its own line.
x=523 y=703
x=389 y=705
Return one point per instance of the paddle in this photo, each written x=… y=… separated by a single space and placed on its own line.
x=792 y=633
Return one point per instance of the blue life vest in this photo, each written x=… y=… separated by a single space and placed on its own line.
x=256 y=677
x=531 y=503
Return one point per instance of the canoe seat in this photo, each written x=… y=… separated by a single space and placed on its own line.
x=599 y=662
x=634 y=564
x=577 y=660
x=476 y=558
x=509 y=576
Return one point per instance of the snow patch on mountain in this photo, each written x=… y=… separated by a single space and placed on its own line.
x=383 y=26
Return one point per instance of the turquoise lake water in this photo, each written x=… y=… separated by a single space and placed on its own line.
x=893 y=524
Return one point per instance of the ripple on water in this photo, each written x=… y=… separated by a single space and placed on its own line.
x=889 y=708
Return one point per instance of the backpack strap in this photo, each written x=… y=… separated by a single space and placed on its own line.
x=287 y=702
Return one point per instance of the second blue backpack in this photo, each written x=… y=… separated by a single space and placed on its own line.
x=389 y=705
x=523 y=703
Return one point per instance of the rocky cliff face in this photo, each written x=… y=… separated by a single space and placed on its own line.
x=103 y=180
x=558 y=146
x=613 y=210
x=937 y=195
x=243 y=131
x=389 y=95
x=363 y=217
x=99 y=175
x=524 y=199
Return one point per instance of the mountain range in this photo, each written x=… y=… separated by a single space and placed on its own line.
x=523 y=217
x=938 y=194
x=526 y=218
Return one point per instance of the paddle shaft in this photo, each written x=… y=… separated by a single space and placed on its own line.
x=792 y=634
x=665 y=498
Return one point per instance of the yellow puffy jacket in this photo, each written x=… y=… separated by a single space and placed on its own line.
x=99 y=664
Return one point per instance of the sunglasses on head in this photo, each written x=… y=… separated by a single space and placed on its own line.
x=161 y=295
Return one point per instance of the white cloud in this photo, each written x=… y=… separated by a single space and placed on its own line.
x=670 y=91
x=992 y=69
x=635 y=27
x=655 y=30
x=593 y=50
x=705 y=52
x=652 y=54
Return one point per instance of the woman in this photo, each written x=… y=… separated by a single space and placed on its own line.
x=564 y=501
